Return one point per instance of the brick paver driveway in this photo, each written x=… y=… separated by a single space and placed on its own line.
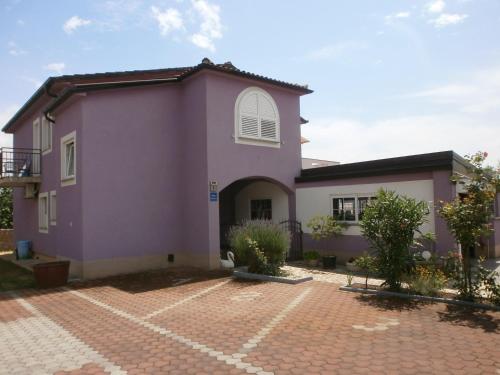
x=183 y=324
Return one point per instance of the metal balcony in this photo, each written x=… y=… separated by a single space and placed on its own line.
x=19 y=167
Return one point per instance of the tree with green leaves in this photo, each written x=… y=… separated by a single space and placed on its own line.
x=6 y=208
x=390 y=223
x=469 y=217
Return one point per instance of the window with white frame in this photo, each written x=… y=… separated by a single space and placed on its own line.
x=350 y=208
x=68 y=159
x=53 y=208
x=46 y=136
x=257 y=118
x=43 y=213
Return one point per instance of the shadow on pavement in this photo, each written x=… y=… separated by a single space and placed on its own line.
x=488 y=321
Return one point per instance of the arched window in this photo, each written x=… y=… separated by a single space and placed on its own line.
x=257 y=118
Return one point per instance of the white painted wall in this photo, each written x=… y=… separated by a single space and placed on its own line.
x=312 y=201
x=262 y=190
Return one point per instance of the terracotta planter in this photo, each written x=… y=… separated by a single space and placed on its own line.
x=51 y=274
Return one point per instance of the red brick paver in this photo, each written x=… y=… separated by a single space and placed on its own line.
x=219 y=326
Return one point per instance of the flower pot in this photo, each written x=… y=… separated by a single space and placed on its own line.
x=51 y=274
x=330 y=261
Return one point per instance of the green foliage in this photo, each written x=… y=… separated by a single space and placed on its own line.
x=367 y=264
x=426 y=280
x=261 y=245
x=323 y=227
x=6 y=208
x=311 y=255
x=389 y=224
x=349 y=276
x=469 y=217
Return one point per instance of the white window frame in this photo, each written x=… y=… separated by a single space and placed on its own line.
x=255 y=141
x=53 y=208
x=37 y=134
x=66 y=179
x=356 y=198
x=43 y=213
x=46 y=136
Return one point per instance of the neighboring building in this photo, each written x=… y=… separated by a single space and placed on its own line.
x=128 y=171
x=308 y=163
x=344 y=191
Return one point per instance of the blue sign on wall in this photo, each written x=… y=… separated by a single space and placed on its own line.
x=213 y=196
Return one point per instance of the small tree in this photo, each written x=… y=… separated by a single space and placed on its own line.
x=6 y=208
x=469 y=217
x=323 y=227
x=389 y=224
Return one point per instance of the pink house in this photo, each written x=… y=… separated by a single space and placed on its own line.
x=127 y=171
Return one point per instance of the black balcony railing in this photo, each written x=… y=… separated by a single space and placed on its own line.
x=19 y=162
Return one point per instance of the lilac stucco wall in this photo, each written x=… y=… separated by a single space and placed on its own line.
x=444 y=191
x=131 y=168
x=229 y=161
x=63 y=239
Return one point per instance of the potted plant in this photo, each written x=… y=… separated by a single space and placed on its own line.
x=351 y=265
x=312 y=258
x=51 y=274
x=324 y=227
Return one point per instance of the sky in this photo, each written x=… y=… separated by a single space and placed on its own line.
x=390 y=77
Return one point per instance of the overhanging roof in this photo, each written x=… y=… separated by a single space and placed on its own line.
x=444 y=160
x=93 y=81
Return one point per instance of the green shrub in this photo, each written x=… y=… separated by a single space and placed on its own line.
x=426 y=280
x=324 y=227
x=389 y=224
x=311 y=255
x=367 y=264
x=261 y=245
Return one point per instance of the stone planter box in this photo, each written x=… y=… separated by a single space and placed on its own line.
x=51 y=274
x=242 y=273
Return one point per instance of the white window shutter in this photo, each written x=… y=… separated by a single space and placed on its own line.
x=257 y=116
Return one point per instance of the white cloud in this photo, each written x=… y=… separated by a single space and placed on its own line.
x=211 y=25
x=74 y=23
x=436 y=6
x=5 y=115
x=15 y=50
x=168 y=20
x=57 y=67
x=391 y=17
x=335 y=51
x=447 y=19
x=351 y=140
x=479 y=94
x=35 y=82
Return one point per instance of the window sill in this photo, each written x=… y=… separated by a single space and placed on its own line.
x=257 y=142
x=53 y=223
x=46 y=152
x=68 y=181
x=43 y=230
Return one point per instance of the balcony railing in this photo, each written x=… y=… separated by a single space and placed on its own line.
x=19 y=163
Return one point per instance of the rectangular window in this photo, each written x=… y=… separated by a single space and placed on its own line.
x=53 y=207
x=344 y=209
x=68 y=159
x=46 y=136
x=43 y=213
x=350 y=208
x=261 y=209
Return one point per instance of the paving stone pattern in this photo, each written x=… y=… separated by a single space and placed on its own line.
x=211 y=324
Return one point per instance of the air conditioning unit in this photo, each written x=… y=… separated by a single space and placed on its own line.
x=31 y=191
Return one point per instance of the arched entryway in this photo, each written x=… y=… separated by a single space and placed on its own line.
x=253 y=198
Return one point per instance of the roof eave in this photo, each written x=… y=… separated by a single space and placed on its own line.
x=36 y=95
